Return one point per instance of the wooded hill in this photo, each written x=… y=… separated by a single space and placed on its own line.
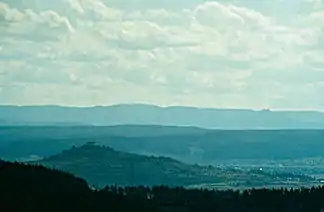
x=38 y=189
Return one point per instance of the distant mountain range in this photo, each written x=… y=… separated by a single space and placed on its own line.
x=138 y=114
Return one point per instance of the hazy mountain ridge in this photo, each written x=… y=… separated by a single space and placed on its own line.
x=138 y=114
x=192 y=145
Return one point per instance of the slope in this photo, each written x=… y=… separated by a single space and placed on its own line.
x=102 y=166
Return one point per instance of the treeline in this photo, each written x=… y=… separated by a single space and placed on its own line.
x=35 y=188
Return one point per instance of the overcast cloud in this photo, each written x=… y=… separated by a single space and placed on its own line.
x=241 y=54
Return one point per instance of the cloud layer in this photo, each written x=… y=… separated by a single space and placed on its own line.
x=201 y=53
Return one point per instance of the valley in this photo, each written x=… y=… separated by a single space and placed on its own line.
x=103 y=166
x=187 y=156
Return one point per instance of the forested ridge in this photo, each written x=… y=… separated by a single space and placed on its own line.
x=36 y=188
x=102 y=165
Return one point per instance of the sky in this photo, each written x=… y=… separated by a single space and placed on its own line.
x=221 y=54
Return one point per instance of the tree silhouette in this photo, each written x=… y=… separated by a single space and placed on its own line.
x=36 y=188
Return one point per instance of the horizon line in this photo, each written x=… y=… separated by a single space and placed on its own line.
x=168 y=106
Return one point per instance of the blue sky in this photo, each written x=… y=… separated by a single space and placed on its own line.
x=229 y=53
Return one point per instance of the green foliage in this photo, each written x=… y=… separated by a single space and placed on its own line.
x=35 y=188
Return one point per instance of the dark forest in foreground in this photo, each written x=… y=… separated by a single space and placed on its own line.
x=35 y=188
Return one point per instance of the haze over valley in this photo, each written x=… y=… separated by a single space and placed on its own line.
x=162 y=106
x=270 y=152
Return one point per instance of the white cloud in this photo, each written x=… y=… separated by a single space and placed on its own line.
x=29 y=25
x=10 y=14
x=154 y=51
